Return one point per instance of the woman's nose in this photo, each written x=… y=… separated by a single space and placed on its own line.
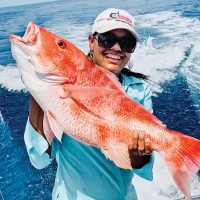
x=116 y=47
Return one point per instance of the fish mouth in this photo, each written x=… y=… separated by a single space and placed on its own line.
x=26 y=45
x=29 y=38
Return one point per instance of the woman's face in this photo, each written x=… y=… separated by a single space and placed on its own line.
x=112 y=59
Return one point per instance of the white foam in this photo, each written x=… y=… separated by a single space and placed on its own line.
x=11 y=78
x=162 y=187
x=155 y=62
x=1 y=117
x=191 y=67
x=191 y=70
x=5 y=135
x=159 y=57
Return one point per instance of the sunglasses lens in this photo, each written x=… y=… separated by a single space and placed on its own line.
x=108 y=39
x=127 y=44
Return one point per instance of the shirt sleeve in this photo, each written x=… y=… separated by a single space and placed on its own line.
x=36 y=147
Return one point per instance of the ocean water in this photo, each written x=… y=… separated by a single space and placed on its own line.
x=169 y=53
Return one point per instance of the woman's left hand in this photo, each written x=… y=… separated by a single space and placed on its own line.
x=140 y=151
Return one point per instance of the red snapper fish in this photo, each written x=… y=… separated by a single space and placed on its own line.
x=87 y=102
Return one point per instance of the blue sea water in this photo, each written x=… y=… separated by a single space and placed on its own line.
x=169 y=53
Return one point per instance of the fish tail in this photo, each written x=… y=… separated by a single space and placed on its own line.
x=183 y=160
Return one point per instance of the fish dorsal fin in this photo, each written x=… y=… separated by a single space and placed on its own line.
x=80 y=95
x=119 y=154
x=83 y=92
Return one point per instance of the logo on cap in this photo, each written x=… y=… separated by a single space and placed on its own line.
x=118 y=17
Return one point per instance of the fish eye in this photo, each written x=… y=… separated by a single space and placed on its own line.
x=62 y=44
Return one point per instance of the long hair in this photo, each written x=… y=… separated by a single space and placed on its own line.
x=128 y=72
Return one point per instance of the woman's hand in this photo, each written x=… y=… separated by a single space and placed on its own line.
x=140 y=151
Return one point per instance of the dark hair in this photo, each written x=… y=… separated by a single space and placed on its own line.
x=128 y=72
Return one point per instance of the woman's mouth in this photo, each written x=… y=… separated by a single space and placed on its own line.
x=113 y=56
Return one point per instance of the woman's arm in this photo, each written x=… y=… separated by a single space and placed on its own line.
x=36 y=116
x=39 y=151
x=140 y=151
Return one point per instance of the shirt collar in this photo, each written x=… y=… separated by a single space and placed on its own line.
x=129 y=80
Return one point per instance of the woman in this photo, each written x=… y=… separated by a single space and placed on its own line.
x=83 y=171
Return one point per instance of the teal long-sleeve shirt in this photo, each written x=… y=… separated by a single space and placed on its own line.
x=83 y=172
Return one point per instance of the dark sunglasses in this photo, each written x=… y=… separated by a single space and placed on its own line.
x=108 y=39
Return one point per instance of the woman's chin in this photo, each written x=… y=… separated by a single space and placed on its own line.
x=114 y=69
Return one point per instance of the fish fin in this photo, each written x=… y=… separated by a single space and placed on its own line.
x=183 y=161
x=119 y=154
x=47 y=129
x=84 y=92
x=55 y=126
x=80 y=93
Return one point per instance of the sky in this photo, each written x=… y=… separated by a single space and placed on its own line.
x=6 y=3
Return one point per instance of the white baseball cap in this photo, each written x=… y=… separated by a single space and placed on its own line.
x=113 y=18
